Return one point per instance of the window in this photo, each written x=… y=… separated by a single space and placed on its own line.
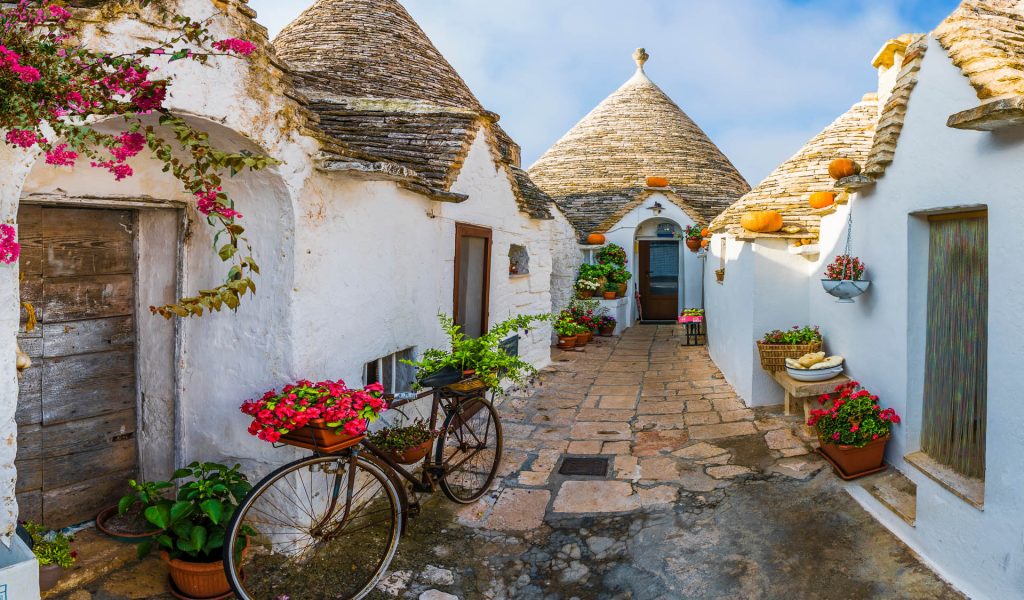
x=518 y=260
x=956 y=379
x=391 y=372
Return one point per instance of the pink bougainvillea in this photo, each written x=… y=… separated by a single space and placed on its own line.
x=51 y=86
x=10 y=249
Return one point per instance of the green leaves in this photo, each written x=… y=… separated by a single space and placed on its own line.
x=214 y=509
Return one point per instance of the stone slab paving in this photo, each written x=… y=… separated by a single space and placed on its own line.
x=704 y=498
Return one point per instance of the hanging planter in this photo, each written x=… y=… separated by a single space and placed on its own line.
x=843 y=277
x=694 y=236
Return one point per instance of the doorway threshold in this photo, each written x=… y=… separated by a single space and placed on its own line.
x=658 y=322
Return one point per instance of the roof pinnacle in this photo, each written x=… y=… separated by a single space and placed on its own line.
x=641 y=57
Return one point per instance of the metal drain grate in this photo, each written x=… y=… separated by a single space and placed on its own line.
x=590 y=467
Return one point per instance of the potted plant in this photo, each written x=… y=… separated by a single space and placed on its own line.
x=587 y=287
x=193 y=526
x=484 y=355
x=611 y=291
x=776 y=346
x=693 y=236
x=125 y=521
x=692 y=315
x=565 y=329
x=606 y=325
x=620 y=277
x=53 y=552
x=854 y=430
x=612 y=254
x=598 y=273
x=325 y=416
x=843 y=279
x=405 y=445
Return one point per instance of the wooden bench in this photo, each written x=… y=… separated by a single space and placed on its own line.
x=806 y=390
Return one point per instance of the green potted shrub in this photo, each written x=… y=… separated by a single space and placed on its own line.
x=565 y=329
x=406 y=445
x=853 y=430
x=611 y=291
x=483 y=355
x=53 y=552
x=620 y=277
x=612 y=254
x=193 y=525
x=778 y=345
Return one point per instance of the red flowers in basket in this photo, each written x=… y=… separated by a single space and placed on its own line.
x=344 y=410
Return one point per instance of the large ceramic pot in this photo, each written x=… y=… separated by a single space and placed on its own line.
x=610 y=295
x=622 y=289
x=845 y=290
x=49 y=576
x=566 y=342
x=608 y=330
x=693 y=244
x=853 y=462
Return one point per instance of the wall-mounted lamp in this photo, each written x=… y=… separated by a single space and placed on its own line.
x=657 y=208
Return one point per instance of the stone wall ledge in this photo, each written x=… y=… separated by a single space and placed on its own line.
x=992 y=115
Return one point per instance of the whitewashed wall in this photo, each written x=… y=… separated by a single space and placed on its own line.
x=765 y=288
x=566 y=258
x=882 y=335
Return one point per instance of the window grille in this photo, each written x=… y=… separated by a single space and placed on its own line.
x=394 y=375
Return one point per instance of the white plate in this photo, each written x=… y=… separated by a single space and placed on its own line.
x=814 y=374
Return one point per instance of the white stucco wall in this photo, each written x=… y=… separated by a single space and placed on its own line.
x=764 y=289
x=882 y=334
x=566 y=258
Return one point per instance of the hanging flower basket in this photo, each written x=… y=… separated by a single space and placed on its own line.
x=845 y=289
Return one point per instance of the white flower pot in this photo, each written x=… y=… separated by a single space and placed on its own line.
x=845 y=290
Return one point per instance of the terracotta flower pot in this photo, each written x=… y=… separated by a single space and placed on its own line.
x=566 y=342
x=582 y=339
x=197 y=580
x=318 y=436
x=693 y=244
x=622 y=289
x=607 y=331
x=413 y=455
x=104 y=525
x=852 y=461
x=586 y=293
x=49 y=576
x=610 y=295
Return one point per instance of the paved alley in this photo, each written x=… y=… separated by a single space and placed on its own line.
x=702 y=498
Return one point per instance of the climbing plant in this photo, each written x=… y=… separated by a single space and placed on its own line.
x=53 y=90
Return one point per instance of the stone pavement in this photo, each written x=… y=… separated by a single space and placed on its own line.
x=703 y=498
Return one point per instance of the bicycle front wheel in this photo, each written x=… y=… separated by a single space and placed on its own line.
x=318 y=528
x=469 y=449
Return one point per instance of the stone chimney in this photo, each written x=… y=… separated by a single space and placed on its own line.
x=889 y=61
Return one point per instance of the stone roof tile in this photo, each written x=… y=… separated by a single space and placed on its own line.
x=985 y=39
x=787 y=188
x=602 y=163
x=890 y=121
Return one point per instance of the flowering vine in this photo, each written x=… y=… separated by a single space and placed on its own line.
x=52 y=89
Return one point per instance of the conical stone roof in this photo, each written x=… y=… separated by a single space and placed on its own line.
x=370 y=49
x=603 y=162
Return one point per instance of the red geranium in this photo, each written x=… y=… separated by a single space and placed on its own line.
x=855 y=417
x=344 y=410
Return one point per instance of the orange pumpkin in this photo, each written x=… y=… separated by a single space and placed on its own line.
x=705 y=243
x=822 y=199
x=843 y=167
x=705 y=232
x=657 y=182
x=595 y=239
x=762 y=221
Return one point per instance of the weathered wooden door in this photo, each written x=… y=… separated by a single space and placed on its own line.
x=659 y=280
x=472 y=278
x=77 y=403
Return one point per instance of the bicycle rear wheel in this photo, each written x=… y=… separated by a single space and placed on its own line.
x=318 y=528
x=470 y=450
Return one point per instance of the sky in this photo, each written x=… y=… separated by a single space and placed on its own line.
x=761 y=77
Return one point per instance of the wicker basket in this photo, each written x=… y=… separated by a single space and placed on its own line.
x=773 y=356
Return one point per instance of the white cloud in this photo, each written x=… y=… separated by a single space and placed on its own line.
x=760 y=76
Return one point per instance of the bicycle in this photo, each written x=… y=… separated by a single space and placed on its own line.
x=330 y=523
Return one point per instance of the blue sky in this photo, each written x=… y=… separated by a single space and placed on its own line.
x=760 y=76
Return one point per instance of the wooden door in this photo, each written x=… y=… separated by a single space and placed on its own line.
x=472 y=278
x=658 y=266
x=77 y=403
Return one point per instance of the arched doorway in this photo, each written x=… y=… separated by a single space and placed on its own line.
x=659 y=270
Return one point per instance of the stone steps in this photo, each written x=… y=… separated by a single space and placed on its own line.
x=895 y=492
